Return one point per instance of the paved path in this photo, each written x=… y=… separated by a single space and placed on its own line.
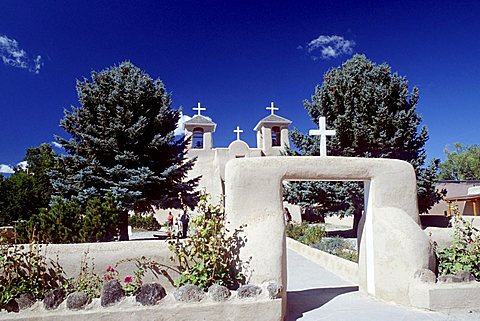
x=316 y=294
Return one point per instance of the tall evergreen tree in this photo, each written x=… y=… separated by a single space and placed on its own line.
x=122 y=141
x=374 y=115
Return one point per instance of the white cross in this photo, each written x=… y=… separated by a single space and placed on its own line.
x=323 y=132
x=199 y=108
x=238 y=131
x=272 y=108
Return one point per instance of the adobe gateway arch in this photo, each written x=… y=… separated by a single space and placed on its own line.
x=392 y=246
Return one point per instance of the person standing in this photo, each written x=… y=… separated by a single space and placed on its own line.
x=170 y=219
x=184 y=219
x=287 y=215
x=178 y=225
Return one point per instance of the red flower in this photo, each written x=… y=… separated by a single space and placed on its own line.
x=109 y=268
x=128 y=279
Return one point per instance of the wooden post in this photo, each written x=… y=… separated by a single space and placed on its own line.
x=474 y=207
x=449 y=209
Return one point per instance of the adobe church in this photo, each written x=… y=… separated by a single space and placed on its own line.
x=272 y=137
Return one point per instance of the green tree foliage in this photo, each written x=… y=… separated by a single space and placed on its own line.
x=68 y=221
x=463 y=163
x=374 y=115
x=122 y=141
x=28 y=190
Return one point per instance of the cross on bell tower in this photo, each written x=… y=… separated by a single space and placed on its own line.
x=199 y=109
x=272 y=108
x=323 y=132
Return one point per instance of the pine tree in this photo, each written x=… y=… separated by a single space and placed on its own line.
x=122 y=142
x=374 y=115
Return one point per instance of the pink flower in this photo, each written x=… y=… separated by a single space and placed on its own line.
x=105 y=277
x=140 y=282
x=109 y=268
x=128 y=279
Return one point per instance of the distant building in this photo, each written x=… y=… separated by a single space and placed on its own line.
x=469 y=191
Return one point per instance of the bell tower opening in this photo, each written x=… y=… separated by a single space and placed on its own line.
x=276 y=138
x=197 y=139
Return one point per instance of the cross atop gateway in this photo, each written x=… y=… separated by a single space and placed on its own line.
x=323 y=132
x=238 y=131
x=199 y=108
x=272 y=108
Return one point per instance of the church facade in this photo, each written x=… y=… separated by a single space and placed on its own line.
x=272 y=138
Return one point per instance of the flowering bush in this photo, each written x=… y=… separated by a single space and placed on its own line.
x=24 y=269
x=464 y=253
x=211 y=254
x=87 y=281
x=91 y=283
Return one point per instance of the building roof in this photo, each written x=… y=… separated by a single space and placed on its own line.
x=463 y=198
x=199 y=120
x=272 y=119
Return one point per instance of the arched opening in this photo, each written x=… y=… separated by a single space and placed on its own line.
x=197 y=139
x=276 y=136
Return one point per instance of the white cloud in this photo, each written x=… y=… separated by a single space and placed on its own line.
x=6 y=169
x=23 y=165
x=326 y=47
x=180 y=130
x=56 y=144
x=12 y=55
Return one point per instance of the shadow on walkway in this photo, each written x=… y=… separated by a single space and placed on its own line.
x=302 y=301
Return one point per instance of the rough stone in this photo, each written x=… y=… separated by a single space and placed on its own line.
x=248 y=291
x=25 y=301
x=77 y=300
x=53 y=299
x=189 y=293
x=150 y=294
x=425 y=275
x=274 y=290
x=465 y=276
x=218 y=292
x=22 y=302
x=449 y=278
x=112 y=292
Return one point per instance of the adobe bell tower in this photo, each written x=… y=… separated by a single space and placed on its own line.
x=272 y=133
x=200 y=129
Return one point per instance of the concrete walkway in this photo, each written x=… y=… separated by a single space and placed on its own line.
x=316 y=294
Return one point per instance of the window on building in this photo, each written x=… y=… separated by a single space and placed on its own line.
x=197 y=139
x=276 y=136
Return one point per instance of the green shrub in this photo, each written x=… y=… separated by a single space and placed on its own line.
x=338 y=246
x=305 y=233
x=87 y=280
x=464 y=253
x=23 y=269
x=66 y=221
x=211 y=254
x=148 y=222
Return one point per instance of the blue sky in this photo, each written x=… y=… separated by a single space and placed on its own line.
x=235 y=57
